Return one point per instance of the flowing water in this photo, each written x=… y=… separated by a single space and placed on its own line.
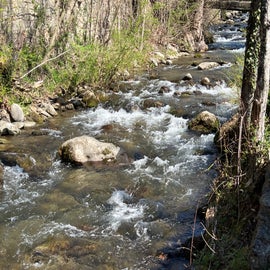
x=124 y=217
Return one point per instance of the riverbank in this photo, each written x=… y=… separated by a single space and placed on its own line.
x=126 y=109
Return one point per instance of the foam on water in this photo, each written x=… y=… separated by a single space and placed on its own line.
x=123 y=210
x=152 y=120
x=220 y=89
x=48 y=229
x=141 y=229
x=20 y=190
x=16 y=188
x=234 y=37
x=52 y=132
x=239 y=51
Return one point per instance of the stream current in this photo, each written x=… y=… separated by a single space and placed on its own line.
x=126 y=217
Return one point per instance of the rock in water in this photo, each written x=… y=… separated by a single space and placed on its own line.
x=205 y=81
x=84 y=149
x=205 y=123
x=187 y=77
x=208 y=65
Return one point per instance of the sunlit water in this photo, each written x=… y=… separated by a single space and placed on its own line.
x=119 y=217
x=128 y=213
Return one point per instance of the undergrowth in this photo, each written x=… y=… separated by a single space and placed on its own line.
x=235 y=203
x=72 y=59
x=93 y=63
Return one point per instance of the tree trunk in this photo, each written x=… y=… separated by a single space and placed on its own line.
x=255 y=87
x=262 y=89
x=194 y=36
x=64 y=21
x=251 y=65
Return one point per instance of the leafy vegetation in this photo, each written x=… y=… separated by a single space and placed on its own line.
x=67 y=59
x=235 y=75
x=236 y=201
x=93 y=64
x=235 y=194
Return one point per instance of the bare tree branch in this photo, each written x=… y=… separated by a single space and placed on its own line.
x=44 y=62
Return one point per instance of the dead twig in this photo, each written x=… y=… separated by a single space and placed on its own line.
x=44 y=62
x=193 y=235
x=211 y=235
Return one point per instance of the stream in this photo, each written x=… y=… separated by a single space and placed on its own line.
x=127 y=217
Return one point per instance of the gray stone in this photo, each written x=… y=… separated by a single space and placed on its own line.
x=43 y=112
x=87 y=149
x=70 y=106
x=154 y=61
x=4 y=115
x=168 y=62
x=49 y=109
x=29 y=124
x=7 y=128
x=19 y=125
x=208 y=65
x=205 y=81
x=159 y=55
x=16 y=113
x=187 y=77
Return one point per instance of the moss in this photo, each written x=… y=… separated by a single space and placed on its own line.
x=92 y=103
x=106 y=151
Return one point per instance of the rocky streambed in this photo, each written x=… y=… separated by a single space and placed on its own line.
x=106 y=215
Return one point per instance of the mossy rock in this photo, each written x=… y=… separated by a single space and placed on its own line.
x=92 y=103
x=205 y=123
x=36 y=117
x=177 y=112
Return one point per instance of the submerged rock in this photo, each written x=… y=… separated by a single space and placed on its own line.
x=63 y=252
x=34 y=166
x=208 y=65
x=205 y=122
x=85 y=149
x=149 y=103
x=164 y=89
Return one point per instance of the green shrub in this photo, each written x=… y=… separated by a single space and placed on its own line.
x=6 y=68
x=96 y=64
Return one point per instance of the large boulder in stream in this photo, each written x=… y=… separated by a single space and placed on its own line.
x=205 y=123
x=83 y=149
